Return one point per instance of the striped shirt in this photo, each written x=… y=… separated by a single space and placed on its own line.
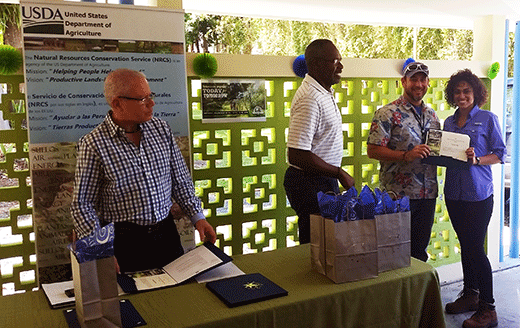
x=315 y=122
x=118 y=181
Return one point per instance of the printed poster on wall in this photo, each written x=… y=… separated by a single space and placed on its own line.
x=69 y=49
x=226 y=101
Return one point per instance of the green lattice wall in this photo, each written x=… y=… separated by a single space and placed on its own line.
x=239 y=167
x=238 y=170
x=16 y=230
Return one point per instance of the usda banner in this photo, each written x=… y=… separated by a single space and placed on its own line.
x=69 y=49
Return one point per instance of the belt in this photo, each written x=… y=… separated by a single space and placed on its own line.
x=143 y=229
x=303 y=173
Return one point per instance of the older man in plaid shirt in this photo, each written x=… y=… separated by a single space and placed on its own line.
x=128 y=170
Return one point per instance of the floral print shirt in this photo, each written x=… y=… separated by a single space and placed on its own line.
x=399 y=127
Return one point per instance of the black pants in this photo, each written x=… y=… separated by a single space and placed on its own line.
x=470 y=221
x=422 y=214
x=302 y=189
x=139 y=247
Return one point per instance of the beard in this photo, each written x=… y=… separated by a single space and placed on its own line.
x=415 y=94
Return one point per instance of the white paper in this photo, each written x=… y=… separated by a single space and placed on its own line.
x=226 y=270
x=150 y=279
x=450 y=144
x=195 y=261
x=56 y=292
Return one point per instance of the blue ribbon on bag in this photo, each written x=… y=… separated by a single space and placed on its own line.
x=99 y=244
x=385 y=204
x=348 y=206
x=331 y=206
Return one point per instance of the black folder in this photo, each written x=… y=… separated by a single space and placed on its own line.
x=444 y=161
x=129 y=316
x=245 y=289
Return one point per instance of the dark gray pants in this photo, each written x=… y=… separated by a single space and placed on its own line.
x=470 y=221
x=302 y=189
x=140 y=248
x=422 y=214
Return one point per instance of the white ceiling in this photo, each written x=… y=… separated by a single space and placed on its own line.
x=424 y=13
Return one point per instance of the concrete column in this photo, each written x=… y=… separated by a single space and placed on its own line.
x=489 y=45
x=515 y=167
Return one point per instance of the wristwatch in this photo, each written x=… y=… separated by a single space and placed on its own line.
x=478 y=160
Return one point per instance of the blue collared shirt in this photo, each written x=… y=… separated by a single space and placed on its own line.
x=475 y=183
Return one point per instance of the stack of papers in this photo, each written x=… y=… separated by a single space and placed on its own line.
x=56 y=294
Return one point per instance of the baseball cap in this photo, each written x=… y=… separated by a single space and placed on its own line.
x=415 y=67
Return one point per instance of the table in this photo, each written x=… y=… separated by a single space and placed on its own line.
x=407 y=297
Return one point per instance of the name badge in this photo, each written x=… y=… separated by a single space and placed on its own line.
x=477 y=123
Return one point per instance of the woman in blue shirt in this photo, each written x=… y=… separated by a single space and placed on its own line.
x=468 y=192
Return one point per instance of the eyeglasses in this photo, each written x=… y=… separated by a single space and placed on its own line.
x=416 y=67
x=151 y=96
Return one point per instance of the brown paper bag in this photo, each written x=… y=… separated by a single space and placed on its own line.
x=95 y=289
x=344 y=251
x=318 y=243
x=351 y=250
x=393 y=240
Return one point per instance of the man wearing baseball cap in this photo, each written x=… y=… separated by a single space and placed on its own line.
x=396 y=139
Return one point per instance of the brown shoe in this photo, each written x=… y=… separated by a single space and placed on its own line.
x=467 y=301
x=485 y=317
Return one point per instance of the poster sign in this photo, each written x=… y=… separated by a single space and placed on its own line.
x=233 y=101
x=65 y=92
x=52 y=173
x=69 y=49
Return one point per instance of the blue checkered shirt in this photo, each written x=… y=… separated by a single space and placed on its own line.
x=118 y=181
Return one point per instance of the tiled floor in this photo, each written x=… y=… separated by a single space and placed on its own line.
x=506 y=284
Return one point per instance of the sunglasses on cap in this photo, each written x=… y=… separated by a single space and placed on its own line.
x=413 y=68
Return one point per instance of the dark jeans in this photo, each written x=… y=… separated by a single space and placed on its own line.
x=470 y=221
x=139 y=247
x=422 y=213
x=302 y=189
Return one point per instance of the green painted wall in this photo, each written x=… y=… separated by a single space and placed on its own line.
x=238 y=169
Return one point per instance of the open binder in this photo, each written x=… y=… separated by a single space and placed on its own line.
x=198 y=260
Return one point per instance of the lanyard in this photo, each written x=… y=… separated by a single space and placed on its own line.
x=420 y=120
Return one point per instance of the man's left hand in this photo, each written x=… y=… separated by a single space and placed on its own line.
x=206 y=231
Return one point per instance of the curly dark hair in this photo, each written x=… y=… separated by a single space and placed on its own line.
x=480 y=93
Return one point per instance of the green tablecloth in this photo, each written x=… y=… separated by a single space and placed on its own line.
x=408 y=297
